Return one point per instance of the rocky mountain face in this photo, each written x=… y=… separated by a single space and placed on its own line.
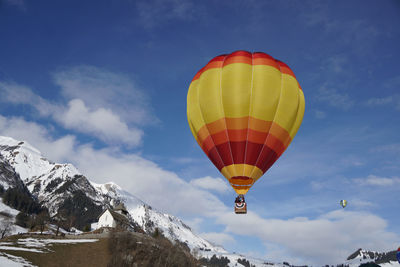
x=8 y=176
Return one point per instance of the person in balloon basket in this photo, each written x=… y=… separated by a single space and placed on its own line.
x=239 y=199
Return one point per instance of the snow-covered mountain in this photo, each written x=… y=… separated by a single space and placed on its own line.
x=384 y=259
x=49 y=182
x=55 y=184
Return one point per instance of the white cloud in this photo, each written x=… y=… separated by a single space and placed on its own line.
x=21 y=4
x=377 y=181
x=101 y=122
x=352 y=160
x=105 y=105
x=218 y=238
x=346 y=31
x=183 y=160
x=148 y=181
x=393 y=83
x=210 y=183
x=333 y=98
x=393 y=100
x=156 y=13
x=391 y=148
x=379 y=101
x=38 y=136
x=337 y=63
x=329 y=238
x=319 y=114
x=99 y=88
x=18 y=94
x=359 y=203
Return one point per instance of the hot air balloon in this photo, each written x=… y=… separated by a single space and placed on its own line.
x=398 y=254
x=244 y=109
x=343 y=203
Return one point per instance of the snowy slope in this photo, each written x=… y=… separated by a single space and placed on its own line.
x=13 y=261
x=384 y=259
x=4 y=209
x=149 y=218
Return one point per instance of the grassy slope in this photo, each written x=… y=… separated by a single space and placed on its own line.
x=81 y=254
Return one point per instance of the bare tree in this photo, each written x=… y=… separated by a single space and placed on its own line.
x=60 y=222
x=6 y=224
x=41 y=220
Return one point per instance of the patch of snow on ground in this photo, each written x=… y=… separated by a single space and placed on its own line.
x=391 y=264
x=8 y=209
x=60 y=229
x=38 y=243
x=21 y=249
x=15 y=229
x=13 y=261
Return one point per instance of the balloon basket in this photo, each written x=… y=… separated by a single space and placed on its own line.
x=241 y=208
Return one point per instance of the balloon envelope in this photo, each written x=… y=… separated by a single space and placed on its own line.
x=343 y=203
x=244 y=109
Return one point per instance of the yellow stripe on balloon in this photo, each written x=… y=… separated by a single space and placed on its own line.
x=237 y=170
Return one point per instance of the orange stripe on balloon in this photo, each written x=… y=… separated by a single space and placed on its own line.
x=275 y=144
x=241 y=180
x=237 y=135
x=215 y=126
x=280 y=133
x=267 y=62
x=237 y=59
x=256 y=137
x=264 y=59
x=257 y=130
x=259 y=125
x=220 y=138
x=240 y=53
x=237 y=123
x=212 y=65
x=240 y=187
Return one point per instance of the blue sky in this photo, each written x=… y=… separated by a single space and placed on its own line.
x=103 y=84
